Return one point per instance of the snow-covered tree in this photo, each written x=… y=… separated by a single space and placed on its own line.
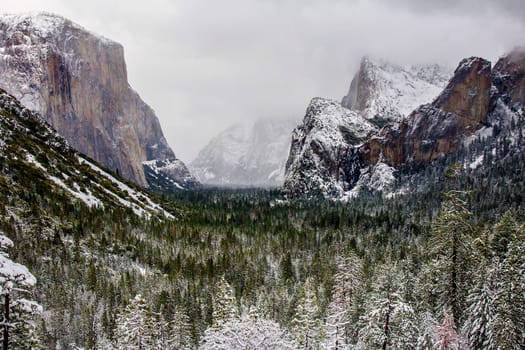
x=136 y=327
x=480 y=313
x=224 y=304
x=445 y=335
x=338 y=315
x=175 y=334
x=452 y=251
x=509 y=321
x=18 y=311
x=306 y=324
x=247 y=333
x=389 y=322
x=427 y=326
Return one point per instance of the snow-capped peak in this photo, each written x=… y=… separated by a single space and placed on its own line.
x=43 y=24
x=386 y=91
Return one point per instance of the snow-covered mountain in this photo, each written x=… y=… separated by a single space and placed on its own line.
x=385 y=92
x=77 y=81
x=477 y=101
x=380 y=94
x=246 y=154
x=329 y=133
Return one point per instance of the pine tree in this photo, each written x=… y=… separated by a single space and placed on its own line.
x=306 y=324
x=18 y=310
x=480 y=313
x=451 y=249
x=338 y=320
x=136 y=327
x=428 y=326
x=445 y=335
x=175 y=334
x=247 y=333
x=509 y=330
x=224 y=304
x=389 y=322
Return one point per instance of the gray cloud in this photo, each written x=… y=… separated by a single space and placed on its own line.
x=204 y=64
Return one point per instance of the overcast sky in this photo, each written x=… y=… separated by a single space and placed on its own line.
x=206 y=64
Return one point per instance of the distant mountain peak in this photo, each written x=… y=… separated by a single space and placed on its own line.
x=385 y=91
x=251 y=154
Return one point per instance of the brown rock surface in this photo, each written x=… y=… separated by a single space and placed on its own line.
x=77 y=81
x=436 y=129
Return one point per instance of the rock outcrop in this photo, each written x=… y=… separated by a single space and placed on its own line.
x=77 y=81
x=328 y=136
x=436 y=129
x=508 y=77
x=325 y=156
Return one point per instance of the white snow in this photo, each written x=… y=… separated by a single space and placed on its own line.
x=399 y=90
x=136 y=196
x=12 y=274
x=88 y=198
x=246 y=154
x=476 y=162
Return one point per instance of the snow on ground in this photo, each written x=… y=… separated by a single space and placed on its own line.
x=88 y=198
x=135 y=195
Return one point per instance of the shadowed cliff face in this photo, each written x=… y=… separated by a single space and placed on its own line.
x=77 y=81
x=509 y=77
x=436 y=129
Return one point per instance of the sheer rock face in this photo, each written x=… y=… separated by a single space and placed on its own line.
x=436 y=129
x=77 y=81
x=322 y=146
x=509 y=77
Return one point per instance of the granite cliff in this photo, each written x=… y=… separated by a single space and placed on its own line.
x=77 y=82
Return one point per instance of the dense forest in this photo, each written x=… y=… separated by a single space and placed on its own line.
x=438 y=264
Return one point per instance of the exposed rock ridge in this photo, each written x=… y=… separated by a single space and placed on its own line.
x=77 y=81
x=436 y=129
x=476 y=98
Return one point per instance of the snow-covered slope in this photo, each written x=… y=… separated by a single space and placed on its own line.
x=31 y=149
x=169 y=173
x=246 y=154
x=385 y=92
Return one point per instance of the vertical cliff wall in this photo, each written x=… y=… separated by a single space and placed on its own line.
x=77 y=81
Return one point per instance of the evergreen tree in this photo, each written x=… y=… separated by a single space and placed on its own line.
x=18 y=310
x=480 y=313
x=445 y=335
x=306 y=323
x=451 y=249
x=389 y=322
x=136 y=328
x=337 y=330
x=509 y=329
x=224 y=304
x=247 y=333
